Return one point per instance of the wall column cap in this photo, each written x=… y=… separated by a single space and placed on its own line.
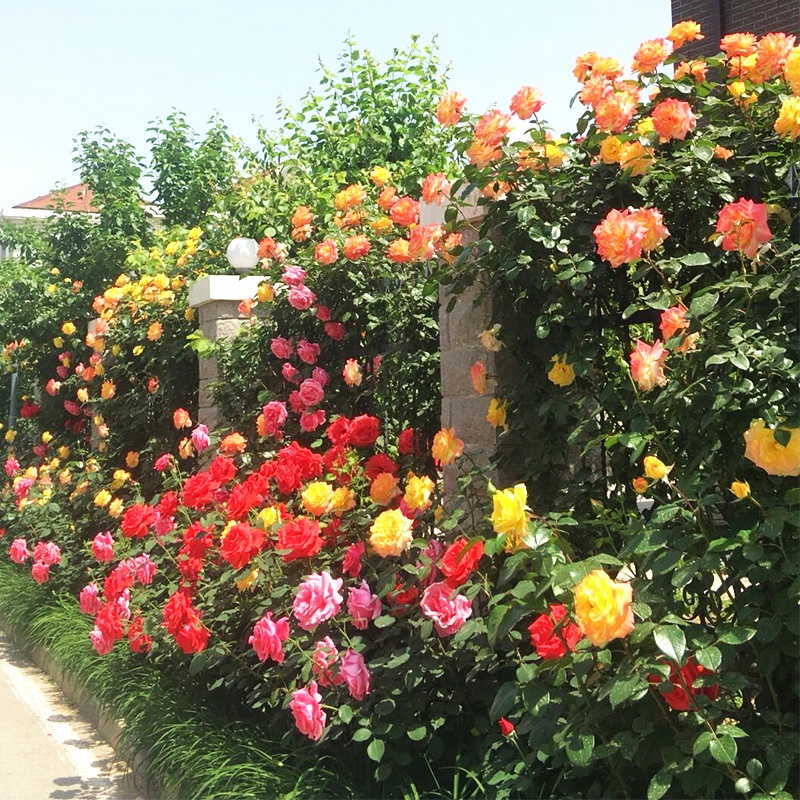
x=467 y=205
x=215 y=288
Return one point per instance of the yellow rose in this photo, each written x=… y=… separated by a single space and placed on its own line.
x=317 y=497
x=132 y=459
x=609 y=150
x=138 y=350
x=47 y=437
x=10 y=436
x=248 y=582
x=83 y=394
x=51 y=288
x=788 y=122
x=489 y=340
x=108 y=390
x=792 y=70
x=68 y=328
x=645 y=126
x=194 y=233
x=561 y=373
x=102 y=498
x=741 y=489
x=510 y=516
x=390 y=533
x=171 y=248
x=269 y=516
x=496 y=414
x=603 y=608
x=418 y=492
x=640 y=485
x=265 y=293
x=763 y=449
x=655 y=468
x=380 y=176
x=115 y=508
x=63 y=451
x=188 y=315
x=58 y=342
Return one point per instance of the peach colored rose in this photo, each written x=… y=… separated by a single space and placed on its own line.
x=326 y=252
x=619 y=237
x=447 y=447
x=527 y=102
x=744 y=226
x=603 y=608
x=435 y=188
x=673 y=119
x=650 y=55
x=383 y=489
x=450 y=107
x=764 y=450
x=654 y=223
x=647 y=365
x=682 y=32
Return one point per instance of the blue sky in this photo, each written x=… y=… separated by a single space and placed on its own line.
x=71 y=66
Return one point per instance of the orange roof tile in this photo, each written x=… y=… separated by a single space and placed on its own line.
x=71 y=198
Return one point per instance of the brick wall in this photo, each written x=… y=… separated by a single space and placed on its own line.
x=720 y=17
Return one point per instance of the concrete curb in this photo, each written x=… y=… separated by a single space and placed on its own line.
x=107 y=726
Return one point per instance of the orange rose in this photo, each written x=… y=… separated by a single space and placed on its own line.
x=383 y=489
x=603 y=608
x=356 y=246
x=447 y=447
x=449 y=109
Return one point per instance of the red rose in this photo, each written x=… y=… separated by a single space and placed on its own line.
x=550 y=645
x=301 y=538
x=458 y=563
x=221 y=470
x=240 y=544
x=379 y=463
x=175 y=611
x=506 y=727
x=117 y=581
x=339 y=430
x=335 y=330
x=400 y=600
x=137 y=519
x=287 y=478
x=198 y=490
x=192 y=637
x=364 y=431
x=140 y=642
x=408 y=442
x=682 y=685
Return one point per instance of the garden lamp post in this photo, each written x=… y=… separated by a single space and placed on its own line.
x=242 y=254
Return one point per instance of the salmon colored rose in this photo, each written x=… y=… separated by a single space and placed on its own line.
x=356 y=247
x=450 y=107
x=619 y=237
x=647 y=365
x=603 y=608
x=527 y=102
x=744 y=226
x=673 y=119
x=764 y=450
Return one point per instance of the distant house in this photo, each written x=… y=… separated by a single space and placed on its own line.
x=77 y=198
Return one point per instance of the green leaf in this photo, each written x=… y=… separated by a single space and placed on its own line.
x=417 y=734
x=702 y=742
x=383 y=622
x=345 y=714
x=743 y=785
x=628 y=688
x=504 y=700
x=709 y=657
x=376 y=749
x=385 y=707
x=671 y=641
x=703 y=303
x=723 y=749
x=362 y=734
x=695 y=259
x=659 y=784
x=733 y=634
x=579 y=747
x=740 y=361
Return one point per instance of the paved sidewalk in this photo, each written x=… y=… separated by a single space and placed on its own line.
x=47 y=749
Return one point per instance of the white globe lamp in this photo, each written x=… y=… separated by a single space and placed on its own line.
x=242 y=254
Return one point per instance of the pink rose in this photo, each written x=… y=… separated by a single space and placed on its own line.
x=311 y=393
x=293 y=276
x=324 y=657
x=363 y=605
x=143 y=567
x=321 y=376
x=18 y=551
x=90 y=599
x=323 y=313
x=647 y=365
x=308 y=351
x=200 y=438
x=309 y=717
x=290 y=373
x=162 y=462
x=40 y=572
x=317 y=600
x=301 y=297
x=296 y=402
x=335 y=330
x=281 y=348
x=311 y=420
x=448 y=613
x=11 y=467
x=354 y=673
x=103 y=547
x=101 y=641
x=47 y=553
x=351 y=563
x=268 y=636
x=275 y=415
x=122 y=605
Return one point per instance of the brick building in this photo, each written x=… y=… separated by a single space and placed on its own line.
x=720 y=17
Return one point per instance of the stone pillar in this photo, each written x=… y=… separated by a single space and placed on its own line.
x=217 y=298
x=459 y=328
